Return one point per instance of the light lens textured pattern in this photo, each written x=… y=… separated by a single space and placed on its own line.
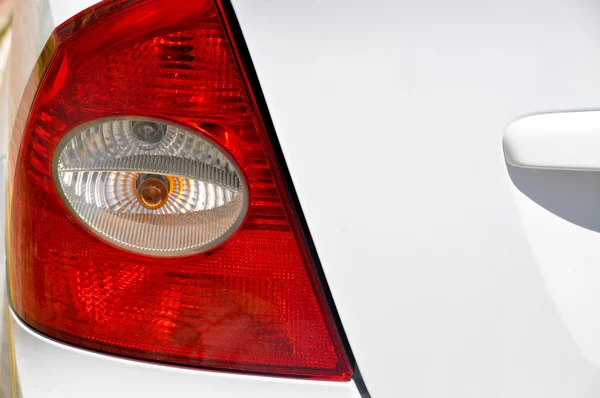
x=100 y=169
x=253 y=303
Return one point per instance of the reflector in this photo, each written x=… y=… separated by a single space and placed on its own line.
x=150 y=187
x=126 y=77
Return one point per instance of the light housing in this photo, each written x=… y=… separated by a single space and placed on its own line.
x=150 y=186
x=254 y=302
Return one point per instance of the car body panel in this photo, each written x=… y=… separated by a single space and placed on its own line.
x=450 y=280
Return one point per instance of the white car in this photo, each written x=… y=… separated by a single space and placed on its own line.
x=282 y=198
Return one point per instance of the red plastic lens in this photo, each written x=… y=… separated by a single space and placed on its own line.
x=252 y=304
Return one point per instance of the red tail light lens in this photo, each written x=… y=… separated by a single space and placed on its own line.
x=250 y=303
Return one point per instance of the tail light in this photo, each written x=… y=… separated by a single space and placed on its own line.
x=148 y=216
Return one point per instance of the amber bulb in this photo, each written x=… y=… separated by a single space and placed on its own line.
x=152 y=191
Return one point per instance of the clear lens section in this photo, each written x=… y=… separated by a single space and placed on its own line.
x=150 y=186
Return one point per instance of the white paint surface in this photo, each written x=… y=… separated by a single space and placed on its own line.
x=64 y=9
x=391 y=116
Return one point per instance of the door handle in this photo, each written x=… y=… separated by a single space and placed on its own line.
x=561 y=141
